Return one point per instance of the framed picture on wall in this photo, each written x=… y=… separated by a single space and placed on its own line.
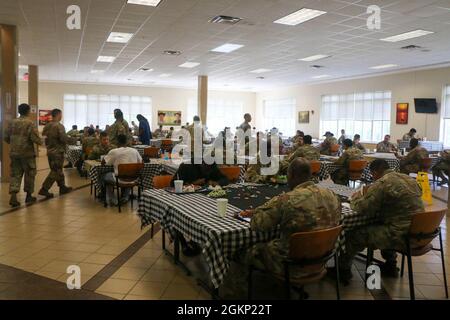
x=169 y=118
x=45 y=116
x=402 y=113
x=303 y=117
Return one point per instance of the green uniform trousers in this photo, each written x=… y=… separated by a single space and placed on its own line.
x=22 y=168
x=56 y=163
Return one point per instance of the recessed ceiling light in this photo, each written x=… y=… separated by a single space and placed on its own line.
x=106 y=59
x=97 y=71
x=165 y=75
x=407 y=35
x=260 y=78
x=189 y=65
x=321 y=76
x=315 y=57
x=260 y=70
x=225 y=20
x=172 y=52
x=119 y=37
x=151 y=3
x=384 y=66
x=227 y=48
x=145 y=69
x=300 y=16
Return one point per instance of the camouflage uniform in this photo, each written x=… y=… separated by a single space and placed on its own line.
x=326 y=145
x=88 y=145
x=412 y=162
x=386 y=147
x=22 y=134
x=74 y=134
x=253 y=173
x=100 y=150
x=119 y=127
x=442 y=167
x=306 y=208
x=394 y=198
x=56 y=141
x=340 y=176
x=359 y=146
x=306 y=151
x=407 y=137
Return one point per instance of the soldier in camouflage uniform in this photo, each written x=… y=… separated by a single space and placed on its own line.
x=102 y=148
x=340 y=176
x=74 y=133
x=442 y=168
x=386 y=146
x=325 y=147
x=306 y=151
x=393 y=198
x=410 y=135
x=357 y=143
x=253 y=173
x=22 y=134
x=56 y=142
x=412 y=163
x=119 y=127
x=306 y=208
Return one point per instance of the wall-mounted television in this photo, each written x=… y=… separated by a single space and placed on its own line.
x=426 y=105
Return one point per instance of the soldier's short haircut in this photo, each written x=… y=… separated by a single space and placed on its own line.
x=91 y=131
x=122 y=139
x=118 y=114
x=379 y=165
x=413 y=130
x=413 y=143
x=196 y=119
x=307 y=139
x=348 y=143
x=74 y=127
x=24 y=109
x=56 y=112
x=357 y=136
x=300 y=168
x=103 y=134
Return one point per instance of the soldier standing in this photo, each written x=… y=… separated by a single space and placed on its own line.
x=56 y=141
x=119 y=127
x=22 y=134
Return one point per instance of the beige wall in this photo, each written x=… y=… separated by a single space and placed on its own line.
x=51 y=95
x=404 y=86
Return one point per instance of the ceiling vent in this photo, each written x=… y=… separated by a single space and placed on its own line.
x=172 y=52
x=225 y=20
x=411 y=47
x=315 y=66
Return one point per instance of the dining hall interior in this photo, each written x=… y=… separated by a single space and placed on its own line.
x=224 y=149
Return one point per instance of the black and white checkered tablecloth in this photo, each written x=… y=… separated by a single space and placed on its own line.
x=140 y=149
x=195 y=216
x=342 y=191
x=73 y=154
x=154 y=168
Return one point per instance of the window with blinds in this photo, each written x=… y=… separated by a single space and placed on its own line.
x=445 y=127
x=367 y=114
x=280 y=113
x=224 y=113
x=84 y=110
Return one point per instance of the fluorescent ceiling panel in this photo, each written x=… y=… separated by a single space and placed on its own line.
x=227 y=48
x=300 y=16
x=407 y=35
x=315 y=57
x=119 y=37
x=189 y=65
x=151 y=3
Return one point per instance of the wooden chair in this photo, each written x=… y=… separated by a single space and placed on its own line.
x=151 y=152
x=355 y=170
x=309 y=251
x=231 y=172
x=425 y=227
x=334 y=149
x=161 y=182
x=315 y=168
x=129 y=176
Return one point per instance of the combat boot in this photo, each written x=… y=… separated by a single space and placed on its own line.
x=30 y=198
x=13 y=202
x=389 y=270
x=45 y=193
x=64 y=190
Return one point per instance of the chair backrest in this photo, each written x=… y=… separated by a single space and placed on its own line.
x=315 y=167
x=313 y=245
x=151 y=152
x=357 y=165
x=426 y=164
x=231 y=172
x=129 y=170
x=161 y=182
x=423 y=227
x=334 y=148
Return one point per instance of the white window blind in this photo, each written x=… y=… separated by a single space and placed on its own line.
x=280 y=113
x=84 y=110
x=445 y=131
x=367 y=114
x=224 y=113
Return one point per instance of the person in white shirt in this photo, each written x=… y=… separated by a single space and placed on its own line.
x=115 y=157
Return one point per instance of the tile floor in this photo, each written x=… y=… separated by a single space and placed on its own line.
x=42 y=240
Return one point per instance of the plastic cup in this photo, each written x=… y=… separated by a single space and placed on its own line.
x=222 y=205
x=78 y=143
x=178 y=186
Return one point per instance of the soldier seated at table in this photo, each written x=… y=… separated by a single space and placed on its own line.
x=307 y=207
x=88 y=144
x=357 y=143
x=200 y=174
x=340 y=176
x=254 y=172
x=307 y=151
x=74 y=133
x=102 y=148
x=121 y=155
x=393 y=198
x=325 y=147
x=442 y=168
x=386 y=146
x=412 y=163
